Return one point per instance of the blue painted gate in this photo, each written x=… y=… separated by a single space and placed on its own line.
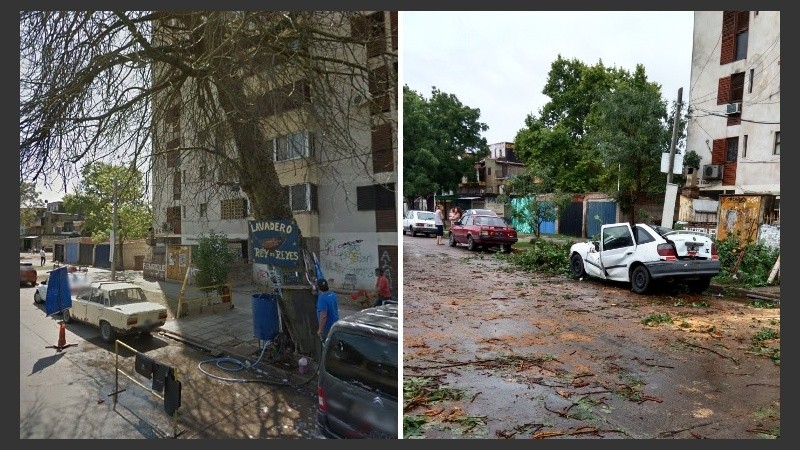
x=599 y=213
x=102 y=252
x=71 y=254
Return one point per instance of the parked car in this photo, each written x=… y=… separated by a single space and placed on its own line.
x=117 y=308
x=357 y=382
x=77 y=282
x=27 y=274
x=643 y=253
x=478 y=230
x=419 y=222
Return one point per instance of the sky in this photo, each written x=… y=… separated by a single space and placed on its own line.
x=498 y=62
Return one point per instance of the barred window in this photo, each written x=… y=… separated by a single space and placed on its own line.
x=235 y=208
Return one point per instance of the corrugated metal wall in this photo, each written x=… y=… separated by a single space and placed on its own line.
x=599 y=213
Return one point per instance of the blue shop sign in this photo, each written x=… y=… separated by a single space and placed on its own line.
x=275 y=242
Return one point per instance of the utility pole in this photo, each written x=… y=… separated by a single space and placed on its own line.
x=672 y=189
x=114 y=235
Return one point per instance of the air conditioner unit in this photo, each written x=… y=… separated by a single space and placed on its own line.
x=733 y=108
x=712 y=172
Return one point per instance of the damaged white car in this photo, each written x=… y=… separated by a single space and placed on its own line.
x=642 y=254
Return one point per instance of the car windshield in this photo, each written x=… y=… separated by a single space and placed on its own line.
x=489 y=221
x=425 y=215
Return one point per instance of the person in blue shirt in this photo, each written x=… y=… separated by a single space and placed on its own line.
x=327 y=308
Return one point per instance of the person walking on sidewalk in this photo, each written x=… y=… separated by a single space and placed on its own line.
x=42 y=256
x=327 y=309
x=438 y=220
x=383 y=291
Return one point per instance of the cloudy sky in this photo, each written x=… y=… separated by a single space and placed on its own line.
x=498 y=62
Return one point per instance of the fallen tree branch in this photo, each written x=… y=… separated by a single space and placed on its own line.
x=709 y=350
x=674 y=432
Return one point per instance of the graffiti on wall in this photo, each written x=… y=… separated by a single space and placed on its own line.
x=388 y=268
x=349 y=260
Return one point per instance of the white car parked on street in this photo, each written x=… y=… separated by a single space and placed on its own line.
x=117 y=308
x=419 y=222
x=77 y=282
x=643 y=253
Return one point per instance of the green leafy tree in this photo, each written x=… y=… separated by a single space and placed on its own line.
x=28 y=202
x=441 y=142
x=213 y=260
x=631 y=130
x=100 y=186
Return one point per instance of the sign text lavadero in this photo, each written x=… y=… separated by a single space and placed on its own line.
x=275 y=242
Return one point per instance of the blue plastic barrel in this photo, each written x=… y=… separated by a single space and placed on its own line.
x=265 y=316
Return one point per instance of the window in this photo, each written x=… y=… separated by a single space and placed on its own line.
x=777 y=148
x=176 y=185
x=381 y=199
x=364 y=360
x=302 y=197
x=737 y=87
x=203 y=172
x=293 y=146
x=184 y=211
x=382 y=154
x=173 y=154
x=235 y=208
x=742 y=23
x=750 y=84
x=744 y=147
x=732 y=150
x=203 y=210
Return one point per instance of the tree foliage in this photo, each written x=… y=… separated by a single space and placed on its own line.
x=532 y=208
x=602 y=128
x=213 y=260
x=100 y=186
x=441 y=142
x=28 y=202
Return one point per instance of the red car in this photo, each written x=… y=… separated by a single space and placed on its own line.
x=27 y=274
x=478 y=230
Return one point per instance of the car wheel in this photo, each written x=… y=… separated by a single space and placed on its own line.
x=471 y=244
x=404 y=231
x=505 y=248
x=106 y=332
x=37 y=297
x=699 y=286
x=413 y=233
x=640 y=280
x=452 y=240
x=576 y=266
x=66 y=316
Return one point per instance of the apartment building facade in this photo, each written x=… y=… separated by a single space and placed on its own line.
x=342 y=194
x=734 y=102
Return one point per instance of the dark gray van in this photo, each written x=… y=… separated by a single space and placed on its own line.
x=358 y=387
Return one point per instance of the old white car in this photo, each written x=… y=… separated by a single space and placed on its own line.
x=77 y=282
x=419 y=222
x=117 y=308
x=643 y=253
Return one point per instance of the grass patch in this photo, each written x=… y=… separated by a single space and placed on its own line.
x=412 y=426
x=764 y=304
x=657 y=319
x=765 y=334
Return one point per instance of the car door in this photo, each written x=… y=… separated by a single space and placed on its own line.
x=79 y=304
x=95 y=306
x=407 y=219
x=461 y=229
x=617 y=249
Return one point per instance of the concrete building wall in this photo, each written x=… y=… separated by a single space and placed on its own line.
x=757 y=169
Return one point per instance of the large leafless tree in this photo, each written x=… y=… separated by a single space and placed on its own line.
x=97 y=86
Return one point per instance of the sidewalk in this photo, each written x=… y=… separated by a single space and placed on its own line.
x=220 y=330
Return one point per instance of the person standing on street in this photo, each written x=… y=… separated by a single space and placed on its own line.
x=438 y=220
x=327 y=308
x=42 y=256
x=383 y=291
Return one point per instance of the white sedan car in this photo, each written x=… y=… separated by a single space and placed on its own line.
x=117 y=308
x=77 y=282
x=643 y=253
x=419 y=222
